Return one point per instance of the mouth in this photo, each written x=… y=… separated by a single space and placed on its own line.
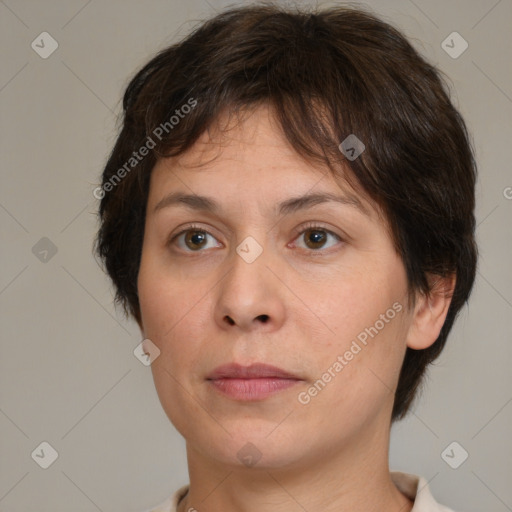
x=251 y=383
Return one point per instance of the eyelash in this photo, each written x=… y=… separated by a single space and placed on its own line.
x=297 y=232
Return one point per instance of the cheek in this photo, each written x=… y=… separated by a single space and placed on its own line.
x=164 y=298
x=176 y=316
x=366 y=341
x=364 y=304
x=170 y=312
x=355 y=381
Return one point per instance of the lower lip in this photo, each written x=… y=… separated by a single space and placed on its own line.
x=252 y=389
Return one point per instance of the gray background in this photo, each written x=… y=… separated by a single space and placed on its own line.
x=68 y=375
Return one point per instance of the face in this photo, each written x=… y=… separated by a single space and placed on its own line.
x=313 y=288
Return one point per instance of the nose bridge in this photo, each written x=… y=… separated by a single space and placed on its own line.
x=247 y=293
x=248 y=269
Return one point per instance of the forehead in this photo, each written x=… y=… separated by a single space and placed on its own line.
x=247 y=137
x=245 y=158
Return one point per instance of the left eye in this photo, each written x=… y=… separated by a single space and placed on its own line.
x=315 y=237
x=195 y=238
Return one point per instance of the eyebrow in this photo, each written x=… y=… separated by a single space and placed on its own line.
x=287 y=207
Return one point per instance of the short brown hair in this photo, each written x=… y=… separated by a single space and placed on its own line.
x=366 y=79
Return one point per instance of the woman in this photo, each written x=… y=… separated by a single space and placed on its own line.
x=288 y=214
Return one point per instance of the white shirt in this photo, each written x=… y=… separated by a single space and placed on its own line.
x=414 y=487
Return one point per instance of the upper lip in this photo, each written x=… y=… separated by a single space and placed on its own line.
x=254 y=371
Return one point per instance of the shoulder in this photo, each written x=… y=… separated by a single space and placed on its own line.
x=417 y=489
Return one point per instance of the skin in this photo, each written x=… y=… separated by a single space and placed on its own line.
x=330 y=454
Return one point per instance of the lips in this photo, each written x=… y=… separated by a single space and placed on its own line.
x=254 y=371
x=251 y=383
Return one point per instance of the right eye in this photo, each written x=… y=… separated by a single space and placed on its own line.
x=194 y=238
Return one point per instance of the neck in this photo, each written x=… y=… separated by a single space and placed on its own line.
x=354 y=477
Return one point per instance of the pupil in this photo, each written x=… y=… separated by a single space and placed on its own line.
x=193 y=238
x=317 y=236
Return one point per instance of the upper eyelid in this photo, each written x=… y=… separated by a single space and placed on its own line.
x=297 y=231
x=312 y=225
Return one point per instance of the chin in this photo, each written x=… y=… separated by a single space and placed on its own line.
x=251 y=448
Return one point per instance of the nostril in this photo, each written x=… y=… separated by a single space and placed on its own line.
x=263 y=318
x=229 y=320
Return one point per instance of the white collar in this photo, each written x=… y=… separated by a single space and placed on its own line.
x=414 y=487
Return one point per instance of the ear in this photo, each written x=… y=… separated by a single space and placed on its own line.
x=430 y=312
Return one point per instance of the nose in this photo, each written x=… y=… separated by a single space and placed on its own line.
x=250 y=296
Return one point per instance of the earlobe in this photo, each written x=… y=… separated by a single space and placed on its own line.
x=430 y=312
